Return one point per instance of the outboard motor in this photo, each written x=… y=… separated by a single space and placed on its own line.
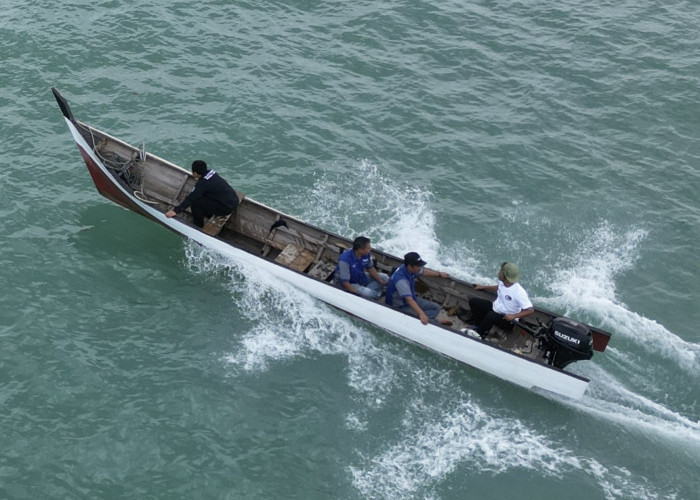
x=568 y=341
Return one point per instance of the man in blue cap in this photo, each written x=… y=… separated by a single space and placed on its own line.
x=401 y=290
x=512 y=301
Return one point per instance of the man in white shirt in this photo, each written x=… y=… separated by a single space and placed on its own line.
x=512 y=301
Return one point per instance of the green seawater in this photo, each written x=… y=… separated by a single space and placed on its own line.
x=561 y=135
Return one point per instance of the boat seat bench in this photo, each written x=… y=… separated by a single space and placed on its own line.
x=297 y=258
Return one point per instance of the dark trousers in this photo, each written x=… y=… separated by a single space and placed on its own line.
x=484 y=315
x=206 y=207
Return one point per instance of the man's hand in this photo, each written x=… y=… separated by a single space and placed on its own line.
x=423 y=318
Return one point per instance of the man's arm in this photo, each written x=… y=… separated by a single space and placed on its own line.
x=344 y=277
x=197 y=192
x=416 y=308
x=488 y=288
x=375 y=275
x=439 y=274
x=521 y=314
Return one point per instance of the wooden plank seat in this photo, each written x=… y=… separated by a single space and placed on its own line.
x=215 y=224
x=295 y=257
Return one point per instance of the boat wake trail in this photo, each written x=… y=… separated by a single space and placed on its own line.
x=447 y=424
x=451 y=433
x=585 y=287
x=609 y=399
x=434 y=443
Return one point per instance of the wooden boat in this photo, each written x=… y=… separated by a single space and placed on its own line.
x=532 y=353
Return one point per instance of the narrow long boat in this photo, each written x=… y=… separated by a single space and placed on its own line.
x=532 y=353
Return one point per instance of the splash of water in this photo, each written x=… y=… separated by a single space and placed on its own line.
x=586 y=285
x=393 y=213
x=433 y=446
x=287 y=324
x=608 y=398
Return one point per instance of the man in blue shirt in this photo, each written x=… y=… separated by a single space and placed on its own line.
x=356 y=273
x=401 y=290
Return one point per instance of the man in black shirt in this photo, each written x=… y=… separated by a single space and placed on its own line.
x=211 y=195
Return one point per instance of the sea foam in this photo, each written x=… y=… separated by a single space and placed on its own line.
x=458 y=431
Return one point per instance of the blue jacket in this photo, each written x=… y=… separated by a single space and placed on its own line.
x=212 y=186
x=357 y=267
x=400 y=274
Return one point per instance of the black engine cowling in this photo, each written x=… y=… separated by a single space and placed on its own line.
x=568 y=341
